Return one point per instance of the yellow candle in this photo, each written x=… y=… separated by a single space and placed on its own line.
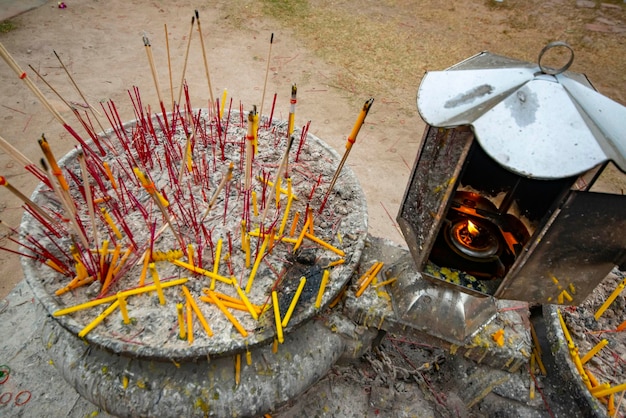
x=320 y=293
x=294 y=301
x=216 y=261
x=237 y=369
x=229 y=299
x=257 y=262
x=278 y=180
x=190 y=254
x=366 y=274
x=336 y=262
x=189 y=322
x=109 y=173
x=271 y=243
x=181 y=321
x=594 y=351
x=610 y=300
x=255 y=207
x=279 y=327
x=195 y=308
x=540 y=362
x=230 y=316
x=108 y=299
x=275 y=346
x=302 y=233
x=119 y=265
x=157 y=283
x=223 y=103
x=109 y=276
x=324 y=244
x=311 y=226
x=243 y=234
x=248 y=357
x=123 y=308
x=229 y=304
x=294 y=224
x=247 y=250
x=568 y=337
x=201 y=271
x=245 y=299
x=600 y=388
x=386 y=282
x=144 y=270
x=109 y=221
x=103 y=254
x=287 y=209
x=99 y=319
x=369 y=279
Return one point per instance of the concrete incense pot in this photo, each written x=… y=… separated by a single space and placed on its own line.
x=215 y=239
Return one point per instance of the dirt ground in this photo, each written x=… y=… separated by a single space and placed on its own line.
x=339 y=53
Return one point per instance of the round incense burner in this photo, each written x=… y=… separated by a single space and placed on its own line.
x=187 y=175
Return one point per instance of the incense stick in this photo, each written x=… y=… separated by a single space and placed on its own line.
x=206 y=64
x=182 y=79
x=351 y=140
x=267 y=71
x=227 y=177
x=155 y=77
x=169 y=64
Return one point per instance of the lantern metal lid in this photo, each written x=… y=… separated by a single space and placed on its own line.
x=535 y=121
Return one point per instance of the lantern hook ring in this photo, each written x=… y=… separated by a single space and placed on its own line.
x=553 y=71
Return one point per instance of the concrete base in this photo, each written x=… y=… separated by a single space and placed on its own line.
x=131 y=387
x=374 y=309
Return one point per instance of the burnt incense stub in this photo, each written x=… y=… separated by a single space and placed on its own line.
x=499 y=203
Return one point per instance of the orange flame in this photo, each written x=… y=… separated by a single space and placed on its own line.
x=472 y=228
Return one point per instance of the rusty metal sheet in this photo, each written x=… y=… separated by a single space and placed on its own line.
x=584 y=242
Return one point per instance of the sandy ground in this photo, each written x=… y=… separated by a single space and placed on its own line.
x=100 y=42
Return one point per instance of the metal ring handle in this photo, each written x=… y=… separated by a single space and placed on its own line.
x=552 y=71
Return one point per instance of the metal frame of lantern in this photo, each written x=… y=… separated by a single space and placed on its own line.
x=542 y=235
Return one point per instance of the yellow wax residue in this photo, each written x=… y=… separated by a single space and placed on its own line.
x=498 y=337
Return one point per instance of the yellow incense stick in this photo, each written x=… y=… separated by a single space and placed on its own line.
x=109 y=173
x=320 y=293
x=247 y=250
x=108 y=299
x=144 y=270
x=230 y=316
x=245 y=299
x=257 y=262
x=123 y=308
x=369 y=279
x=99 y=319
x=237 y=369
x=255 y=206
x=181 y=321
x=279 y=327
x=610 y=300
x=594 y=351
x=109 y=221
x=240 y=306
x=301 y=236
x=189 y=310
x=216 y=261
x=294 y=301
x=197 y=311
x=201 y=271
x=111 y=269
x=294 y=224
x=324 y=244
x=157 y=283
